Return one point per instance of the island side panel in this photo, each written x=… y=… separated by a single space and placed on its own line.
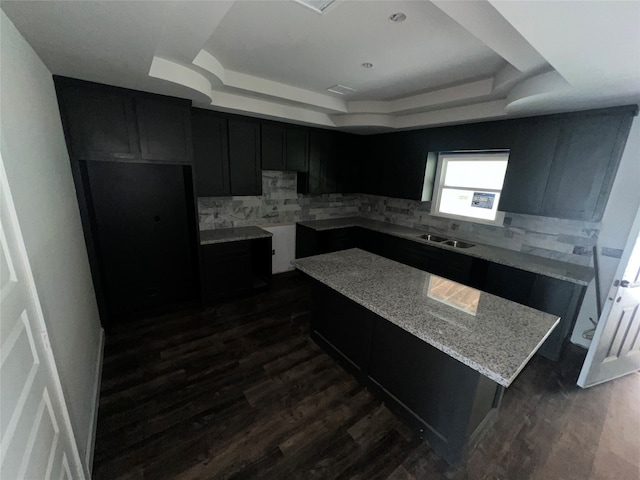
x=447 y=403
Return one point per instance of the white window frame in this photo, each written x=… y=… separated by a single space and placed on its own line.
x=439 y=184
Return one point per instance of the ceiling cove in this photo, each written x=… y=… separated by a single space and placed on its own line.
x=444 y=62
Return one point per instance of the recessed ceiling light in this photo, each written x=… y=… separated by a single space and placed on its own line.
x=366 y=65
x=397 y=17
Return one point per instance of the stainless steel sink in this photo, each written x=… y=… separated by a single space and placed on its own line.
x=433 y=238
x=459 y=244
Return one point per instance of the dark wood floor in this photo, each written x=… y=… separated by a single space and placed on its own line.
x=241 y=392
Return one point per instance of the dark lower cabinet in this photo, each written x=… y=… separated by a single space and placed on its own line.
x=312 y=242
x=558 y=297
x=452 y=402
x=142 y=220
x=342 y=323
x=227 y=269
x=234 y=268
x=447 y=403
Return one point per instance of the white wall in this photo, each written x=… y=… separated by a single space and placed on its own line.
x=617 y=220
x=39 y=173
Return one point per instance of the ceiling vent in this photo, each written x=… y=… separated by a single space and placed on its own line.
x=319 y=6
x=341 y=90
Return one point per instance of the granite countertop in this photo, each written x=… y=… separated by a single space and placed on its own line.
x=552 y=268
x=222 y=235
x=497 y=341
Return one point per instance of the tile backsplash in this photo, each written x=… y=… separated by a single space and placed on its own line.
x=566 y=240
x=279 y=203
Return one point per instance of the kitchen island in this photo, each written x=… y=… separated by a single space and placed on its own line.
x=438 y=352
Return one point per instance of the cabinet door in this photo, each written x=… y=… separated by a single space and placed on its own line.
x=165 y=130
x=343 y=323
x=404 y=164
x=509 y=283
x=477 y=136
x=560 y=298
x=273 y=141
x=584 y=166
x=404 y=366
x=227 y=269
x=338 y=239
x=100 y=124
x=297 y=149
x=370 y=165
x=323 y=151
x=529 y=166
x=244 y=157
x=143 y=229
x=307 y=241
x=210 y=154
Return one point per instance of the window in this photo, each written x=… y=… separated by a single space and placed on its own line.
x=468 y=185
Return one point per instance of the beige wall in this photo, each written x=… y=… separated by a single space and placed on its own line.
x=39 y=173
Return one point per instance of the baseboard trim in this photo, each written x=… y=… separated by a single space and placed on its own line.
x=91 y=440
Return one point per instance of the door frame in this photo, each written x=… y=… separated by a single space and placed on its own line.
x=633 y=235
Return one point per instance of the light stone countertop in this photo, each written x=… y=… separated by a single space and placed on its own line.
x=578 y=274
x=497 y=341
x=222 y=235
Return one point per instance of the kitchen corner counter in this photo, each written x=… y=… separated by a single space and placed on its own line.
x=497 y=340
x=577 y=274
x=223 y=235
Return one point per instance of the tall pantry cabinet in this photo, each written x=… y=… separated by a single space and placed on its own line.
x=131 y=158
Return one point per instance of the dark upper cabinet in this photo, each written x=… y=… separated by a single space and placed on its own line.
x=109 y=123
x=393 y=164
x=322 y=173
x=273 y=146
x=584 y=166
x=563 y=166
x=477 y=136
x=297 y=148
x=210 y=153
x=529 y=166
x=404 y=164
x=165 y=129
x=100 y=125
x=244 y=157
x=284 y=147
x=370 y=161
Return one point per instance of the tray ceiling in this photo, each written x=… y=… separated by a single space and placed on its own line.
x=448 y=62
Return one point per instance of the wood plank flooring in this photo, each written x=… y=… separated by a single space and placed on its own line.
x=240 y=392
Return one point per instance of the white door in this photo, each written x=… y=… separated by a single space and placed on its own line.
x=36 y=438
x=615 y=348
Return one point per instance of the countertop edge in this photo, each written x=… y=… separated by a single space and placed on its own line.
x=226 y=235
x=388 y=229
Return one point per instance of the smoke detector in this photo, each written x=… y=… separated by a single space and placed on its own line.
x=341 y=90
x=318 y=6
